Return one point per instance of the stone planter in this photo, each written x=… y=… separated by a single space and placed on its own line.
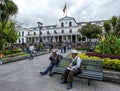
x=111 y=76
x=12 y=59
x=21 y=57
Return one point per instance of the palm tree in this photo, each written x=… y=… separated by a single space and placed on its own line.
x=112 y=26
x=107 y=26
x=117 y=28
x=9 y=8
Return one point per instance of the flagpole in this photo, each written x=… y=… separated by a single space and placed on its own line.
x=66 y=9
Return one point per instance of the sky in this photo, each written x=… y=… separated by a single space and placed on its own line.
x=50 y=11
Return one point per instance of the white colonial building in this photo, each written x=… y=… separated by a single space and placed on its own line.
x=65 y=31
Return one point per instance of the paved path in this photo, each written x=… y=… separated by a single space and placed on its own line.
x=24 y=76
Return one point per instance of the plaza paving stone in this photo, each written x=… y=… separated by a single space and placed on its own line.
x=24 y=76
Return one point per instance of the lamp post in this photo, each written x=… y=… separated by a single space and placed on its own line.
x=40 y=27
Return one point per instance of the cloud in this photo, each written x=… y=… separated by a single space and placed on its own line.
x=50 y=11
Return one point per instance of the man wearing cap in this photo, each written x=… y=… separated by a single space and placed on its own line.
x=73 y=69
x=54 y=58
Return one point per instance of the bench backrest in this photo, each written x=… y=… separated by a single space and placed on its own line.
x=87 y=64
x=92 y=65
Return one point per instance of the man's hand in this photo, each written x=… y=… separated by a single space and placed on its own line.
x=70 y=66
x=52 y=56
x=59 y=58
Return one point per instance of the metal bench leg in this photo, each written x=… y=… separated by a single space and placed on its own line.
x=88 y=82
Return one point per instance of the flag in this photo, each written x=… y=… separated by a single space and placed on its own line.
x=64 y=9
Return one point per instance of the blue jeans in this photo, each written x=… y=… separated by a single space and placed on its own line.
x=49 y=68
x=30 y=55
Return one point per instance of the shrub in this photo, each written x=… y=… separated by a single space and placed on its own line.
x=103 y=55
x=17 y=50
x=13 y=51
x=109 y=45
x=81 y=48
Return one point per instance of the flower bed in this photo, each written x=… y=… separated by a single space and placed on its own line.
x=110 y=64
x=103 y=55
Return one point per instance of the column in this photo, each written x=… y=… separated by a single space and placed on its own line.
x=27 y=40
x=76 y=38
x=57 y=38
x=71 y=39
x=67 y=38
x=46 y=39
x=54 y=40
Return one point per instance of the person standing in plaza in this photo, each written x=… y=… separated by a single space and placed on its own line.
x=73 y=69
x=69 y=47
x=31 y=48
x=54 y=58
x=61 y=48
x=1 y=55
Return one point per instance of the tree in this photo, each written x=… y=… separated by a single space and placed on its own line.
x=90 y=30
x=9 y=9
x=117 y=28
x=112 y=26
x=10 y=33
x=107 y=26
x=113 y=22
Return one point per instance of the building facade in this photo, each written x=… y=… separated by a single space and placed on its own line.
x=66 y=31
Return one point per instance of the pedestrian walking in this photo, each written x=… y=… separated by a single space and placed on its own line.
x=31 y=48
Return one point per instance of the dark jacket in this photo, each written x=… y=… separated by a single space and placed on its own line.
x=55 y=60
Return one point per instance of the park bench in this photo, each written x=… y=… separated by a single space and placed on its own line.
x=91 y=69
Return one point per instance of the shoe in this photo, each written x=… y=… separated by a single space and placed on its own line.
x=42 y=73
x=69 y=86
x=63 y=82
x=51 y=74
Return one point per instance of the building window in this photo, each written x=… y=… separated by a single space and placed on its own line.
x=70 y=31
x=19 y=40
x=22 y=33
x=70 y=24
x=62 y=31
x=62 y=24
x=40 y=33
x=22 y=40
x=55 y=32
x=78 y=30
x=28 y=33
x=83 y=39
x=34 y=33
x=27 y=40
x=48 y=32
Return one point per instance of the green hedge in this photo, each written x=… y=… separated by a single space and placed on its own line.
x=82 y=48
x=13 y=51
x=111 y=64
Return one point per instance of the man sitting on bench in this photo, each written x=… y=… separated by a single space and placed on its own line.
x=54 y=58
x=73 y=69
